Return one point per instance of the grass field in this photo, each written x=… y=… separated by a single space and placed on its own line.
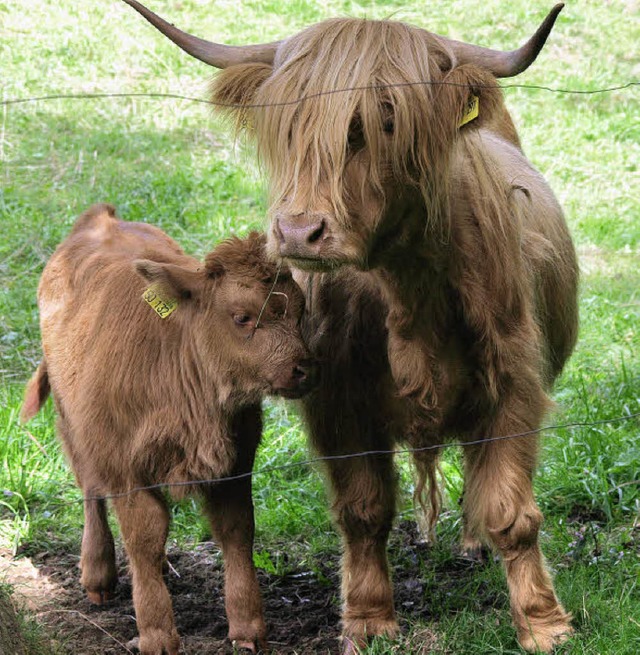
x=176 y=164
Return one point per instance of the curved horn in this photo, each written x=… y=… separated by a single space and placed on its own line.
x=214 y=54
x=506 y=64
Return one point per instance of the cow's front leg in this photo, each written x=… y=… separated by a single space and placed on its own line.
x=499 y=504
x=230 y=510
x=364 y=491
x=144 y=522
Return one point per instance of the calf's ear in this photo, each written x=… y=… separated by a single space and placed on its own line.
x=176 y=281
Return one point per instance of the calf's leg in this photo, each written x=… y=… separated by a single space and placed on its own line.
x=144 y=522
x=230 y=510
x=499 y=505
x=98 y=557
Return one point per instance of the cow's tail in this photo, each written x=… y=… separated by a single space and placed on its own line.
x=427 y=498
x=36 y=393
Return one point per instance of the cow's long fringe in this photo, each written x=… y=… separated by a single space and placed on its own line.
x=305 y=145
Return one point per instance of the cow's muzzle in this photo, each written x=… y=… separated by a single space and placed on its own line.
x=302 y=236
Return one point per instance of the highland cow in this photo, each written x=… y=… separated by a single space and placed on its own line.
x=440 y=276
x=157 y=365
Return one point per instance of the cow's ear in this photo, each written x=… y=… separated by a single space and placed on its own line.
x=176 y=281
x=233 y=90
x=468 y=98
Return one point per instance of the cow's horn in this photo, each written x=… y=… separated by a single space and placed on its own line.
x=214 y=54
x=506 y=64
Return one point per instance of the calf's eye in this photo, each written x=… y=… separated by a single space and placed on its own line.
x=242 y=319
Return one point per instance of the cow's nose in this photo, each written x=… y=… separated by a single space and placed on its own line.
x=301 y=235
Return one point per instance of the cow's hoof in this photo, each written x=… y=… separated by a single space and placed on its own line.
x=352 y=645
x=155 y=642
x=543 y=637
x=100 y=597
x=358 y=632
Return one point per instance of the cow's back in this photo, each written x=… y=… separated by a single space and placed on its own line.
x=539 y=233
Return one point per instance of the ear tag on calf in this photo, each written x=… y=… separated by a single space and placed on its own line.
x=161 y=305
x=471 y=110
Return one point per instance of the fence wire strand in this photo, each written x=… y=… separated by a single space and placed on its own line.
x=365 y=453
x=285 y=103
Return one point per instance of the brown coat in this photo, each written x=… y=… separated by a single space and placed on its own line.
x=147 y=394
x=440 y=275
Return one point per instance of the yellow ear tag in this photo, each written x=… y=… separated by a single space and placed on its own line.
x=160 y=304
x=471 y=110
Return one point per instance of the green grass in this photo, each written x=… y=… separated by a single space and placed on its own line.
x=175 y=163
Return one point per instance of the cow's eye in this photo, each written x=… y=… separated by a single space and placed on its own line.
x=355 y=136
x=388 y=126
x=242 y=319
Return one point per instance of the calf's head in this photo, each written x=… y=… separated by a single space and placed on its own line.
x=242 y=314
x=356 y=122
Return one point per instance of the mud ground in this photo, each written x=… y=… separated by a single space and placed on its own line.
x=302 y=607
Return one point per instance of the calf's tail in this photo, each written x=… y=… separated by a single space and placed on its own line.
x=36 y=393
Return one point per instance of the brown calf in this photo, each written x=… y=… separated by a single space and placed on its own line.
x=166 y=390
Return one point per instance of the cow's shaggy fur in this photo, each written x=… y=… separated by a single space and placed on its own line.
x=467 y=256
x=441 y=283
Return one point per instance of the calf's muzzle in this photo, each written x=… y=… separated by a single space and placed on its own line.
x=299 y=380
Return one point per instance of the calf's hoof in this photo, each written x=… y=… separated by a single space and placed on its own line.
x=257 y=646
x=543 y=637
x=155 y=642
x=100 y=597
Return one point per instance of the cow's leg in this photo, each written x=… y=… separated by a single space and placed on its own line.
x=364 y=490
x=144 y=522
x=426 y=496
x=98 y=557
x=499 y=505
x=230 y=510
x=364 y=493
x=353 y=410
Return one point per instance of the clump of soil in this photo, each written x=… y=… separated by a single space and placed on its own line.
x=302 y=607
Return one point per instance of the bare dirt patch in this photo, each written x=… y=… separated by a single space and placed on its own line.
x=302 y=607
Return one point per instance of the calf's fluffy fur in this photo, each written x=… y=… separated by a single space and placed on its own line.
x=143 y=400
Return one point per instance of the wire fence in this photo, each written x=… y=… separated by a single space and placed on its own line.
x=369 y=453
x=365 y=453
x=285 y=103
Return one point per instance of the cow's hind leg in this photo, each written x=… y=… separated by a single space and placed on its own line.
x=144 y=522
x=499 y=505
